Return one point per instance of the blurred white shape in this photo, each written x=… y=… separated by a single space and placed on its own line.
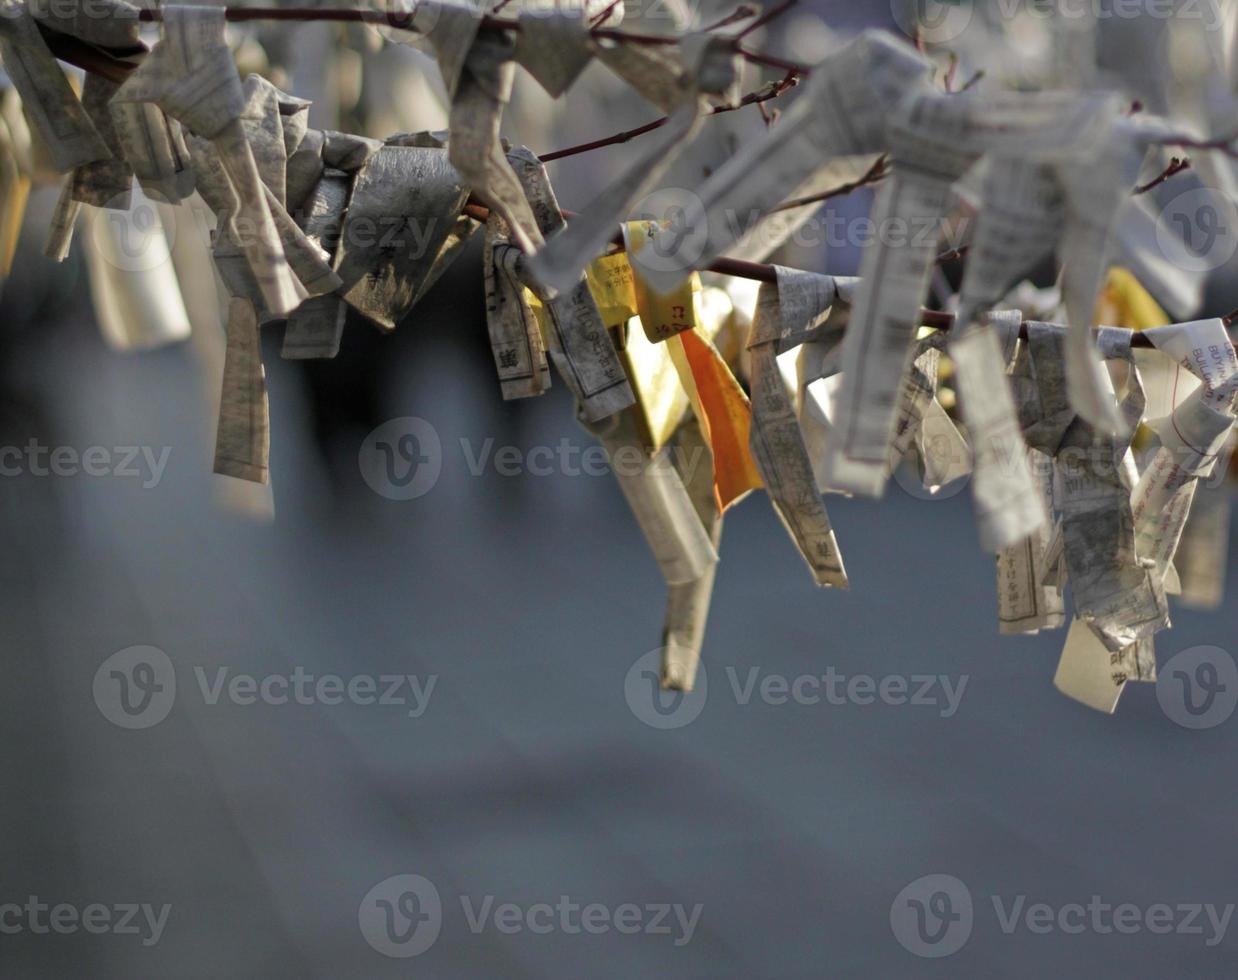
x=133 y=282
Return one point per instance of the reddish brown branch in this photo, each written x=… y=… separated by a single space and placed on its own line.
x=1226 y=145
x=100 y=62
x=762 y=95
x=1176 y=166
x=874 y=173
x=743 y=12
x=770 y=61
x=601 y=18
x=948 y=82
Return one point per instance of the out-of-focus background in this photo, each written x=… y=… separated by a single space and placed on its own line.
x=524 y=756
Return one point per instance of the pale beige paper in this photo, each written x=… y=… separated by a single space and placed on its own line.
x=1024 y=603
x=190 y=74
x=515 y=338
x=658 y=498
x=484 y=88
x=137 y=304
x=841 y=111
x=566 y=254
x=579 y=344
x=47 y=96
x=243 y=436
x=687 y=605
x=776 y=442
x=1009 y=506
x=1192 y=438
x=553 y=46
x=878 y=346
x=1202 y=554
x=1115 y=593
x=651 y=70
x=403 y=207
x=1096 y=676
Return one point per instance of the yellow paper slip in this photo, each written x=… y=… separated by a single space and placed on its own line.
x=1125 y=303
x=610 y=282
x=663 y=315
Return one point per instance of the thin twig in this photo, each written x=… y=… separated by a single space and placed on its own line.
x=761 y=272
x=770 y=61
x=103 y=63
x=1225 y=145
x=1176 y=166
x=952 y=254
x=948 y=81
x=979 y=74
x=874 y=173
x=761 y=95
x=601 y=18
x=743 y=12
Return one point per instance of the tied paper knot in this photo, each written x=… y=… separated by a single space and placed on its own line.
x=190 y=74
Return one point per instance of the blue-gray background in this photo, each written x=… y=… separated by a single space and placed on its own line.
x=529 y=777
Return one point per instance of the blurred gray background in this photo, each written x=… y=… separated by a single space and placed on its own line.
x=526 y=601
